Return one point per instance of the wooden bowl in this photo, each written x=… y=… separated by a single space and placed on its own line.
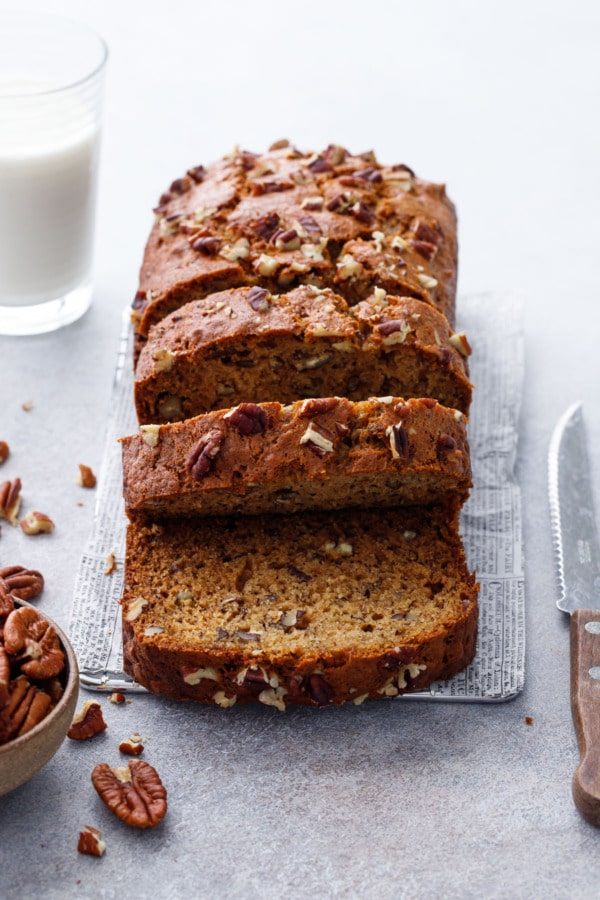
x=22 y=757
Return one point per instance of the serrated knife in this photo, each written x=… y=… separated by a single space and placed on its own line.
x=577 y=553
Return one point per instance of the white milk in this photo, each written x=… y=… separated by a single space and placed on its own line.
x=48 y=159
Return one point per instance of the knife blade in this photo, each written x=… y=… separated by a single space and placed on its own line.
x=577 y=554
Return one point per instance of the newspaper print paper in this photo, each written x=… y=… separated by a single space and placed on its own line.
x=491 y=521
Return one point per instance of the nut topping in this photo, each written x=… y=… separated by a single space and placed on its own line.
x=248 y=418
x=88 y=722
x=315 y=406
x=267 y=225
x=90 y=842
x=258 y=298
x=22 y=583
x=201 y=456
x=208 y=245
x=134 y=793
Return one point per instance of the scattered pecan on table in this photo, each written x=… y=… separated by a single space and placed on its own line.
x=134 y=793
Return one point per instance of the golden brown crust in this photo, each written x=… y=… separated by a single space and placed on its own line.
x=226 y=225
x=247 y=345
x=334 y=607
x=314 y=454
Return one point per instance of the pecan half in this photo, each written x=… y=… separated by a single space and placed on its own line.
x=202 y=454
x=134 y=793
x=27 y=705
x=88 y=722
x=22 y=583
x=248 y=418
x=4 y=677
x=6 y=601
x=30 y=636
x=90 y=842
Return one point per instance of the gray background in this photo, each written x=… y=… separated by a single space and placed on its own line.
x=399 y=800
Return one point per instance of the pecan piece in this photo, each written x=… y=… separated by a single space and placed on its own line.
x=86 y=477
x=320 y=690
x=10 y=500
x=266 y=226
x=314 y=406
x=248 y=418
x=317 y=439
x=425 y=248
x=37 y=523
x=132 y=746
x=310 y=225
x=258 y=298
x=319 y=165
x=207 y=244
x=134 y=793
x=424 y=232
x=90 y=842
x=202 y=454
x=4 y=451
x=362 y=212
x=30 y=636
x=22 y=583
x=398 y=439
x=88 y=722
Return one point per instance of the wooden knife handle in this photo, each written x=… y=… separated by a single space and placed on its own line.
x=585 y=706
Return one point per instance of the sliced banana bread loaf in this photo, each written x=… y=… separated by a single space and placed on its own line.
x=247 y=345
x=315 y=454
x=316 y=608
x=285 y=218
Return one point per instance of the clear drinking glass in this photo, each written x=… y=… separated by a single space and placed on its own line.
x=51 y=83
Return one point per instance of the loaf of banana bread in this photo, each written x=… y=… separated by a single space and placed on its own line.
x=324 y=453
x=314 y=608
x=247 y=345
x=284 y=218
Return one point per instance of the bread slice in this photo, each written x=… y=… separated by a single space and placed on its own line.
x=247 y=345
x=314 y=454
x=284 y=218
x=313 y=609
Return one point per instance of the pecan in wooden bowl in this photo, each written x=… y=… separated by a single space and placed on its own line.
x=38 y=689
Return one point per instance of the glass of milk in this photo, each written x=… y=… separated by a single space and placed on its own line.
x=51 y=82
